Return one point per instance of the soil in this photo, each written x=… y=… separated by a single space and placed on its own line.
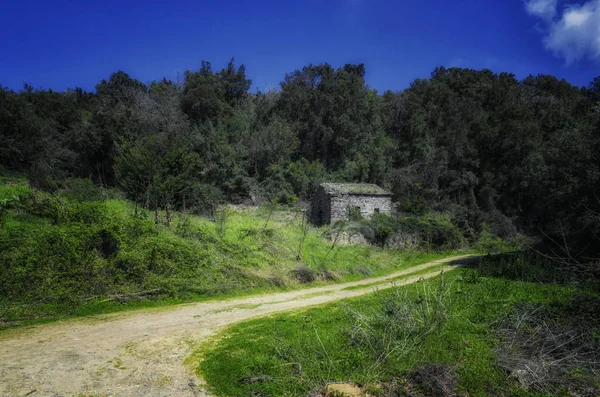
x=143 y=353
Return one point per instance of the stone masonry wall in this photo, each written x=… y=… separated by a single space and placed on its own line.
x=367 y=205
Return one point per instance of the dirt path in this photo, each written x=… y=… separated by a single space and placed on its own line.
x=142 y=353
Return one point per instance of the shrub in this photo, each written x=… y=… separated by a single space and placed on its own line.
x=415 y=205
x=81 y=189
x=327 y=275
x=499 y=225
x=382 y=233
x=285 y=198
x=204 y=199
x=551 y=348
x=489 y=242
x=304 y=274
x=354 y=214
x=9 y=198
x=40 y=205
x=428 y=232
x=434 y=380
x=304 y=176
x=12 y=178
x=404 y=241
x=400 y=323
x=435 y=230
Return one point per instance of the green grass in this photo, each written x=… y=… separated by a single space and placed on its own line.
x=65 y=258
x=298 y=353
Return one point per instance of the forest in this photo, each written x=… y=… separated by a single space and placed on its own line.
x=143 y=195
x=497 y=154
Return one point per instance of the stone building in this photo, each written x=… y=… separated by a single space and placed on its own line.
x=336 y=201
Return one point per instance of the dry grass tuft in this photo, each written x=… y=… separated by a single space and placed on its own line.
x=549 y=354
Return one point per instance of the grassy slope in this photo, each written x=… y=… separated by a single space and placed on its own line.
x=297 y=353
x=60 y=259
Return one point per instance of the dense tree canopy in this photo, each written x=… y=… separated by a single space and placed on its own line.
x=496 y=152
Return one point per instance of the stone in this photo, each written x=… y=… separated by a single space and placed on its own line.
x=336 y=201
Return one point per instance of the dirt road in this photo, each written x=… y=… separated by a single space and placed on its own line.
x=142 y=353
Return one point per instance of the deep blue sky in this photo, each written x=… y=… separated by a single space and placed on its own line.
x=61 y=44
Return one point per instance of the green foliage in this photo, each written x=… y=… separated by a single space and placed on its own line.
x=396 y=337
x=295 y=179
x=61 y=254
x=305 y=176
x=490 y=243
x=534 y=267
x=286 y=199
x=271 y=144
x=517 y=155
x=204 y=199
x=134 y=169
x=428 y=232
x=210 y=96
x=354 y=214
x=336 y=119
x=382 y=233
x=414 y=206
x=81 y=189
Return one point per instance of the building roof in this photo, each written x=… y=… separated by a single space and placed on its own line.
x=366 y=189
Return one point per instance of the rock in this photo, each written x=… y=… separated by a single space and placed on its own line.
x=343 y=389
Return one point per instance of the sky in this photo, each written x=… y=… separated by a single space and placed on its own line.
x=66 y=44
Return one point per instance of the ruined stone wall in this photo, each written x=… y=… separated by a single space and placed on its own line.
x=340 y=205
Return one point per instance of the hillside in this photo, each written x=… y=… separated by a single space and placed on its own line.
x=493 y=152
x=64 y=255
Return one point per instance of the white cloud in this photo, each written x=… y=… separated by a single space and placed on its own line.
x=544 y=9
x=576 y=34
x=576 y=18
x=572 y=33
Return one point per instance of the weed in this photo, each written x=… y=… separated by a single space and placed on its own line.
x=433 y=380
x=548 y=354
x=437 y=338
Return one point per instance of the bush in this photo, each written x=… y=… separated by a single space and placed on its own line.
x=9 y=199
x=434 y=380
x=400 y=323
x=436 y=231
x=203 y=199
x=499 y=225
x=354 y=214
x=285 y=198
x=405 y=241
x=415 y=205
x=81 y=189
x=304 y=274
x=534 y=267
x=428 y=232
x=551 y=348
x=489 y=242
x=382 y=233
